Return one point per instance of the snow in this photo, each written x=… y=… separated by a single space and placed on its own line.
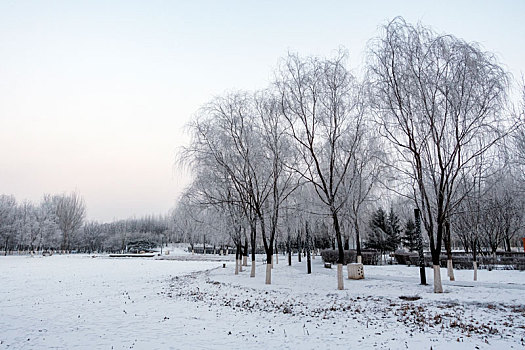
x=80 y=302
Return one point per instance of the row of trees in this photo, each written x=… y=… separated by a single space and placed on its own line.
x=428 y=123
x=58 y=223
x=52 y=222
x=263 y=159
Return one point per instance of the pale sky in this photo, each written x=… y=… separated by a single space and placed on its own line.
x=94 y=95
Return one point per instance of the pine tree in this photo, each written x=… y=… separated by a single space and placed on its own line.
x=409 y=238
x=378 y=226
x=393 y=231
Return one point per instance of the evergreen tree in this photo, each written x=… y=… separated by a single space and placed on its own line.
x=409 y=238
x=393 y=231
x=378 y=231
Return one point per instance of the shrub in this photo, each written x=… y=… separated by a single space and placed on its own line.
x=331 y=255
x=369 y=256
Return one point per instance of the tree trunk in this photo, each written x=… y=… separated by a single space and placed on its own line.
x=438 y=288
x=507 y=244
x=245 y=252
x=341 y=254
x=448 y=246
x=240 y=258
x=308 y=253
x=276 y=255
x=358 y=242
x=299 y=246
x=340 y=283
x=450 y=270
x=253 y=236
x=268 y=269
x=289 y=250
x=474 y=260
x=308 y=262
x=237 y=260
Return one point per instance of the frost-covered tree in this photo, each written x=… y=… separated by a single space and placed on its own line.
x=26 y=226
x=323 y=105
x=8 y=209
x=48 y=231
x=70 y=213
x=439 y=100
x=239 y=140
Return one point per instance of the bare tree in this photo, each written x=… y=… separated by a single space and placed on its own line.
x=502 y=211
x=92 y=236
x=7 y=220
x=519 y=136
x=239 y=139
x=438 y=100
x=70 y=213
x=45 y=217
x=322 y=104
x=27 y=226
x=367 y=169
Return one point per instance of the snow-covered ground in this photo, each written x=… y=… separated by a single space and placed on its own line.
x=80 y=302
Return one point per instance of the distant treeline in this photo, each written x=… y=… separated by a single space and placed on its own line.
x=58 y=223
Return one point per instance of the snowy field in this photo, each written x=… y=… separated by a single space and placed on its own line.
x=79 y=302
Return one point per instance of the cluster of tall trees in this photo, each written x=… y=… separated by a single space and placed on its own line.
x=58 y=223
x=266 y=161
x=428 y=121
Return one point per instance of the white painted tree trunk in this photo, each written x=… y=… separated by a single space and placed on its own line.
x=245 y=261
x=276 y=259
x=252 y=272
x=450 y=270
x=438 y=288
x=340 y=280
x=236 y=266
x=268 y=274
x=475 y=263
x=359 y=259
x=240 y=265
x=313 y=254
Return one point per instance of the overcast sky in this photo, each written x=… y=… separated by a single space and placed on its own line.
x=94 y=95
